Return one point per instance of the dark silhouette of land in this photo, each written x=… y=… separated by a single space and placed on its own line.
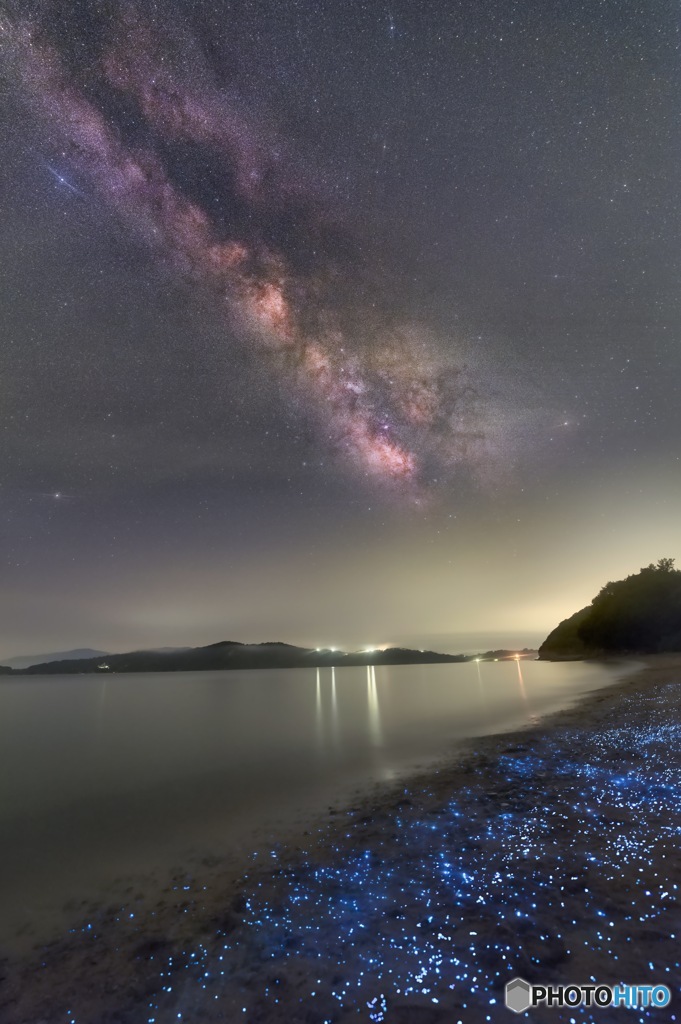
x=230 y=654
x=638 y=615
x=26 y=660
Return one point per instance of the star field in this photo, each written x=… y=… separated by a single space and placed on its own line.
x=381 y=268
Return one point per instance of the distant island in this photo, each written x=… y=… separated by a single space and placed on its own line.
x=637 y=615
x=26 y=660
x=230 y=654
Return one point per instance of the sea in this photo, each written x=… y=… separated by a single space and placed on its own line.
x=104 y=777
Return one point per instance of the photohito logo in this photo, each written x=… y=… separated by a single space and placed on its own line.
x=520 y=995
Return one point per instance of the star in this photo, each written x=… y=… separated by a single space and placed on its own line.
x=63 y=181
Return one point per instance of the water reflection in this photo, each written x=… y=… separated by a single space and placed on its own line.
x=319 y=714
x=375 y=731
x=334 y=709
x=523 y=693
x=481 y=691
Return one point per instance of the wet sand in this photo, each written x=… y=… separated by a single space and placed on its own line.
x=550 y=853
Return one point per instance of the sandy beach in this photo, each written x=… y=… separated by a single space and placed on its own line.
x=551 y=853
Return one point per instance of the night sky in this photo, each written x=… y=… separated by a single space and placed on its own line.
x=334 y=323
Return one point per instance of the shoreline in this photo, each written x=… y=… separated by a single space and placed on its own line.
x=417 y=903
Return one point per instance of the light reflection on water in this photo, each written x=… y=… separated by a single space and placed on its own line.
x=101 y=776
x=374 y=708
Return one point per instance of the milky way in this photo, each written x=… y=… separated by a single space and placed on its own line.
x=221 y=199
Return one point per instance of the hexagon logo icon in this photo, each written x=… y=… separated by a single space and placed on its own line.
x=518 y=995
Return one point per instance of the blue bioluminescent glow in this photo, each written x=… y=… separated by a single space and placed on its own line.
x=553 y=857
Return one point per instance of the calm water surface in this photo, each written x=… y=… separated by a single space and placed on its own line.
x=102 y=776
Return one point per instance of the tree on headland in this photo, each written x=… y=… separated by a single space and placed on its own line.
x=639 y=614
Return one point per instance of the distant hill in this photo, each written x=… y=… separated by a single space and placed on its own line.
x=638 y=615
x=26 y=660
x=230 y=654
x=527 y=654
